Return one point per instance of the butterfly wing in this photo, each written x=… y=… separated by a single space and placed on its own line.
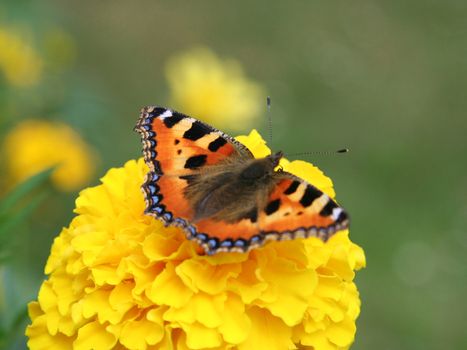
x=176 y=147
x=297 y=209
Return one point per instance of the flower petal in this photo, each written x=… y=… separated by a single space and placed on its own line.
x=139 y=334
x=94 y=336
x=267 y=332
x=168 y=289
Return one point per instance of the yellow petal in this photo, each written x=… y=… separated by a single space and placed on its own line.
x=41 y=339
x=105 y=274
x=47 y=297
x=236 y=324
x=138 y=334
x=168 y=289
x=203 y=308
x=205 y=277
x=34 y=310
x=200 y=337
x=267 y=332
x=121 y=296
x=94 y=336
x=255 y=143
x=342 y=333
x=161 y=247
x=247 y=285
x=318 y=340
x=292 y=289
x=330 y=287
x=90 y=244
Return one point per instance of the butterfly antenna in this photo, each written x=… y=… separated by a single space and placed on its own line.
x=342 y=150
x=268 y=104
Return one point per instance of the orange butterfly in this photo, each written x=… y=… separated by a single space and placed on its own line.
x=211 y=185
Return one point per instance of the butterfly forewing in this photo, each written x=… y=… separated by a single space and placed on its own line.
x=176 y=147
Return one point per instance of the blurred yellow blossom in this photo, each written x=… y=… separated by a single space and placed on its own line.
x=119 y=279
x=202 y=84
x=34 y=145
x=19 y=62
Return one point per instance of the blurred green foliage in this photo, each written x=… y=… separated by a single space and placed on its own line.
x=16 y=207
x=386 y=79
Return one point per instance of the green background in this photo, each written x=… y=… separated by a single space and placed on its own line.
x=387 y=79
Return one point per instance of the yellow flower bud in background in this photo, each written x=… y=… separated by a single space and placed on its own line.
x=202 y=84
x=19 y=62
x=34 y=145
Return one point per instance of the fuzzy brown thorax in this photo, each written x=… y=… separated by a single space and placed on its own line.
x=236 y=192
x=260 y=168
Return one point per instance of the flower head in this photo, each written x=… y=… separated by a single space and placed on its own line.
x=34 y=145
x=121 y=280
x=203 y=84
x=19 y=62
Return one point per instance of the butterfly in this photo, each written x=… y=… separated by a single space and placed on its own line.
x=211 y=186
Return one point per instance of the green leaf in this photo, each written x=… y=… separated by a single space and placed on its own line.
x=13 y=220
x=15 y=208
x=24 y=188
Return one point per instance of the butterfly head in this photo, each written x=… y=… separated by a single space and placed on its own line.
x=275 y=158
x=262 y=168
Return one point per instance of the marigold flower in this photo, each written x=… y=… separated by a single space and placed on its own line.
x=119 y=279
x=34 y=145
x=19 y=62
x=201 y=84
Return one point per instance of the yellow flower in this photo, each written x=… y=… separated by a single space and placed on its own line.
x=34 y=145
x=19 y=62
x=201 y=84
x=119 y=279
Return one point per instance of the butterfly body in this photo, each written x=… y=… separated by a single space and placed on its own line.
x=232 y=190
x=211 y=185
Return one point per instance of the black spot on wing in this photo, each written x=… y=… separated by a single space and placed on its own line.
x=174 y=119
x=252 y=215
x=342 y=217
x=189 y=178
x=272 y=206
x=309 y=196
x=327 y=209
x=216 y=144
x=292 y=188
x=196 y=131
x=157 y=111
x=195 y=161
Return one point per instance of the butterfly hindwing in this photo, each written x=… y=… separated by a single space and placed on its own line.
x=297 y=209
